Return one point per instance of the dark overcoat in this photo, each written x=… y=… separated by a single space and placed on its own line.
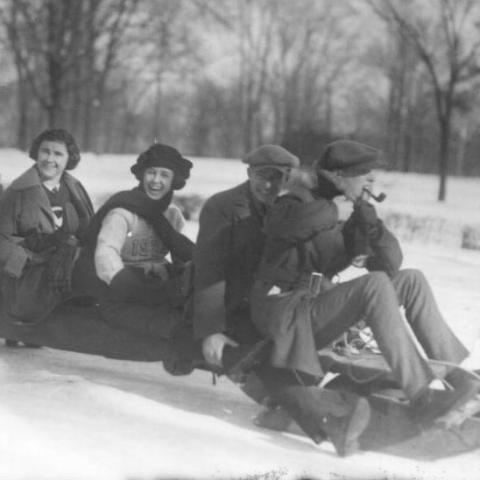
x=25 y=208
x=304 y=235
x=227 y=252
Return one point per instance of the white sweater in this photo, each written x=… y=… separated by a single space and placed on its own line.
x=127 y=239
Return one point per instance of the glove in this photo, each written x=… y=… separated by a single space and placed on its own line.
x=131 y=285
x=364 y=213
x=365 y=218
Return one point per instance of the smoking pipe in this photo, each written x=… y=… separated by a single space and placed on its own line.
x=378 y=198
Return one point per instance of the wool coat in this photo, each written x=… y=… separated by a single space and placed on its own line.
x=304 y=235
x=25 y=209
x=227 y=252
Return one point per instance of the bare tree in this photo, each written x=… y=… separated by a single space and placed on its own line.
x=441 y=39
x=63 y=51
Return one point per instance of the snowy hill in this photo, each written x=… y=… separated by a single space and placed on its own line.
x=72 y=416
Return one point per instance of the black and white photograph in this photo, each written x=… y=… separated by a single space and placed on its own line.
x=239 y=239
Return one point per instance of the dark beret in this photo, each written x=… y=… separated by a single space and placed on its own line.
x=159 y=155
x=271 y=156
x=351 y=158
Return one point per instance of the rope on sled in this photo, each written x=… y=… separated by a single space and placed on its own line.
x=355 y=347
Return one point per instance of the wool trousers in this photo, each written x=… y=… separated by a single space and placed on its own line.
x=376 y=298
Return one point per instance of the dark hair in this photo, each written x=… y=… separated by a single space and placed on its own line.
x=57 y=135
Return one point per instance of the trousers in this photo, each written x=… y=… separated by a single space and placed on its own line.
x=376 y=298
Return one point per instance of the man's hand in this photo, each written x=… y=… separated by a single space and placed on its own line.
x=364 y=213
x=213 y=345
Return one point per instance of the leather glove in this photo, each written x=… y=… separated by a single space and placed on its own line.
x=131 y=285
x=364 y=213
x=365 y=218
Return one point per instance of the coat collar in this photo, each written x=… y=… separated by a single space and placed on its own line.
x=30 y=178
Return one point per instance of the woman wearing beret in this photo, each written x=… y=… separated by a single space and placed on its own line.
x=128 y=241
x=43 y=214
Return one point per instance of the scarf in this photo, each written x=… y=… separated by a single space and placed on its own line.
x=138 y=202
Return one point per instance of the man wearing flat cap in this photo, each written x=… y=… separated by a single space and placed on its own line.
x=303 y=235
x=228 y=248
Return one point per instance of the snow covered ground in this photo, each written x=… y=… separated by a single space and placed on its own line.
x=72 y=416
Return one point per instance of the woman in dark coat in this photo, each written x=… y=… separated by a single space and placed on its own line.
x=43 y=216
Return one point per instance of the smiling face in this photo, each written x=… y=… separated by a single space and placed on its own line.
x=52 y=159
x=267 y=182
x=157 y=182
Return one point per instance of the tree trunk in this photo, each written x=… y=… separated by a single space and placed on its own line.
x=443 y=157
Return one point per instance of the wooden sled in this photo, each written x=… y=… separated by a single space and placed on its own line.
x=80 y=328
x=392 y=428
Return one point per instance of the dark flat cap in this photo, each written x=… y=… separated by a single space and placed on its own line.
x=271 y=156
x=352 y=158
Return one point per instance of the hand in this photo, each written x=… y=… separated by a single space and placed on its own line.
x=40 y=258
x=364 y=213
x=213 y=345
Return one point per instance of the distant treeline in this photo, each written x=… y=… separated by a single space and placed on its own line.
x=218 y=77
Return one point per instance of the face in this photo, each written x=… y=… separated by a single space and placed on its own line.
x=353 y=187
x=157 y=182
x=52 y=159
x=266 y=183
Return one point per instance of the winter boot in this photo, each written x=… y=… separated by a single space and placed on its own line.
x=345 y=431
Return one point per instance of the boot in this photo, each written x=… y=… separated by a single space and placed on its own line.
x=433 y=404
x=274 y=418
x=320 y=413
x=344 y=432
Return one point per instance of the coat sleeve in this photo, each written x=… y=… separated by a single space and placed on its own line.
x=387 y=254
x=111 y=238
x=383 y=249
x=211 y=259
x=13 y=256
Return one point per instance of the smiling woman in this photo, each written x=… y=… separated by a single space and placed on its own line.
x=43 y=215
x=125 y=264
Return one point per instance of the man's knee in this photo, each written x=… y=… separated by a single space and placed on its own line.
x=411 y=277
x=377 y=281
